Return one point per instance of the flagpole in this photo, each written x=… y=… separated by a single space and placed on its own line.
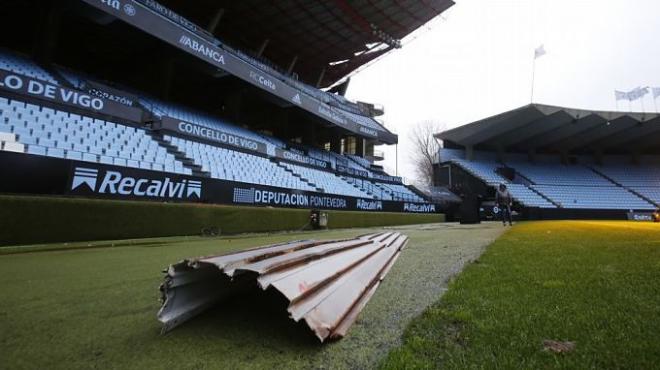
x=531 y=95
x=616 y=100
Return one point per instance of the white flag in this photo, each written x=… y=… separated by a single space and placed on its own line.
x=620 y=95
x=637 y=93
x=656 y=92
x=539 y=52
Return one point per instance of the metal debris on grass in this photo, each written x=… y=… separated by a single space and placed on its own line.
x=327 y=283
x=558 y=346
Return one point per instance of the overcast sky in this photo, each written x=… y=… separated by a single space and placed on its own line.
x=476 y=61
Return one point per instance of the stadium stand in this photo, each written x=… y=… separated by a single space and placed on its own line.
x=400 y=192
x=41 y=130
x=19 y=64
x=536 y=152
x=231 y=165
x=307 y=138
x=161 y=109
x=558 y=174
x=548 y=184
x=56 y=133
x=528 y=196
x=326 y=181
x=593 y=197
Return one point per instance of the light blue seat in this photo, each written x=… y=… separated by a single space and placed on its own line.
x=106 y=159
x=70 y=154
x=89 y=157
x=36 y=149
x=55 y=152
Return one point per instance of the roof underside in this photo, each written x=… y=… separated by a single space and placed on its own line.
x=545 y=128
x=317 y=33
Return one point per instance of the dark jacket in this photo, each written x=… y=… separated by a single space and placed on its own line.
x=503 y=198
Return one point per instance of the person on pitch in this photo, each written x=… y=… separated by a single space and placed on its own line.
x=504 y=200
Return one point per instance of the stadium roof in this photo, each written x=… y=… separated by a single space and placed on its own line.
x=318 y=34
x=546 y=128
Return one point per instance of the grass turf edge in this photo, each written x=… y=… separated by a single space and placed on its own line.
x=41 y=219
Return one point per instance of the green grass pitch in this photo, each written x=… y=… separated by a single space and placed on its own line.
x=594 y=283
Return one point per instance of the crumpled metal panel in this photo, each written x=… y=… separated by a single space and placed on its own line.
x=327 y=283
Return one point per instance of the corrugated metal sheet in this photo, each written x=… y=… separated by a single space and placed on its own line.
x=327 y=282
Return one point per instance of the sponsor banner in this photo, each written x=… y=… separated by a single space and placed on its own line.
x=286 y=198
x=369 y=205
x=159 y=23
x=378 y=176
x=30 y=174
x=363 y=174
x=419 y=207
x=43 y=90
x=294 y=149
x=640 y=216
x=109 y=93
x=176 y=18
x=206 y=133
x=294 y=156
x=352 y=171
x=125 y=182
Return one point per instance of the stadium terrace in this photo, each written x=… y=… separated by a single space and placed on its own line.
x=260 y=128
x=558 y=162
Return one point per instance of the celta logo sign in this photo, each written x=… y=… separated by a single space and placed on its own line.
x=129 y=10
x=261 y=80
x=296 y=99
x=115 y=183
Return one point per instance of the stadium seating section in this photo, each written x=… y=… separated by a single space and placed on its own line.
x=55 y=133
x=27 y=127
x=547 y=183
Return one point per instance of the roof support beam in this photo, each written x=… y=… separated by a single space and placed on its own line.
x=588 y=137
x=575 y=127
x=215 y=21
x=537 y=127
x=292 y=64
x=262 y=48
x=319 y=81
